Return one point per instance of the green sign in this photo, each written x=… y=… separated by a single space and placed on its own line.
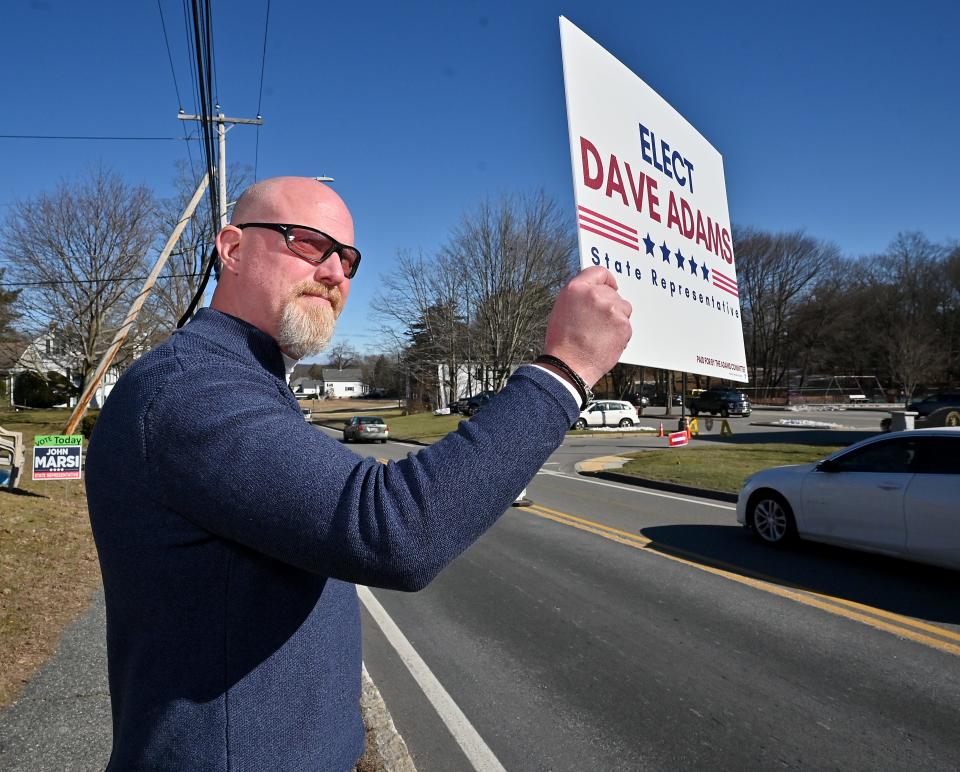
x=46 y=440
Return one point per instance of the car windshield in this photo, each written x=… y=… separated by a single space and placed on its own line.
x=371 y=420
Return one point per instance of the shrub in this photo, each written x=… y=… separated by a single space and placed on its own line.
x=86 y=424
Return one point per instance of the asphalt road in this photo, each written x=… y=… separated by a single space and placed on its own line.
x=608 y=627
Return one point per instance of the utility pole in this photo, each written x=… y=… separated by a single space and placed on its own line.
x=222 y=128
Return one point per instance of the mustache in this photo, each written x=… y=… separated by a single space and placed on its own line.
x=332 y=294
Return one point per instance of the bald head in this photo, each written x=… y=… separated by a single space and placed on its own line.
x=264 y=282
x=274 y=199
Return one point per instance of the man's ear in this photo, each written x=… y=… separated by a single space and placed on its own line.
x=228 y=242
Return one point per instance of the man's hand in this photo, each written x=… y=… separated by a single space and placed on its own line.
x=589 y=326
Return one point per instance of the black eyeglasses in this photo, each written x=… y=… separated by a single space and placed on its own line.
x=312 y=245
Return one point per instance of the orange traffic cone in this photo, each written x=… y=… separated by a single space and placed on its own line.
x=661 y=434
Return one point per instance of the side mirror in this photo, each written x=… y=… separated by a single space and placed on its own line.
x=827 y=466
x=346 y=423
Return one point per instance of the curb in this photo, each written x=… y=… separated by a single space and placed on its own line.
x=385 y=750
x=601 y=467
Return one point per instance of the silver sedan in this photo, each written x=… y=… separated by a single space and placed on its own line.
x=897 y=494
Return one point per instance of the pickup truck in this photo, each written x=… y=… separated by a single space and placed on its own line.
x=722 y=400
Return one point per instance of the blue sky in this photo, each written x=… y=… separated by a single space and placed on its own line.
x=838 y=118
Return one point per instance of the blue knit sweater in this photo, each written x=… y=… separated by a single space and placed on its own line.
x=231 y=533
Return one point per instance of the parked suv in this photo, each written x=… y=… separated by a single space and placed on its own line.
x=607 y=412
x=722 y=400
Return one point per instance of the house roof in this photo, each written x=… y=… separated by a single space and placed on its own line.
x=10 y=352
x=300 y=371
x=347 y=375
x=306 y=383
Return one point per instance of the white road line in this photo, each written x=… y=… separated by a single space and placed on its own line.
x=636 y=489
x=473 y=746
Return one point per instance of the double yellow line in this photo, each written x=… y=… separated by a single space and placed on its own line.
x=939 y=638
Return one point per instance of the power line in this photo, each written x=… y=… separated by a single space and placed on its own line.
x=78 y=136
x=61 y=282
x=263 y=64
x=176 y=87
x=263 y=57
x=166 y=40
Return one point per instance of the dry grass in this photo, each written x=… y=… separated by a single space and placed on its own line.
x=48 y=563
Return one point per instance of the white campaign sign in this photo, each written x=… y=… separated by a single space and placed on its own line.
x=652 y=208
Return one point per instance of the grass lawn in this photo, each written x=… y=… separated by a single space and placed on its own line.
x=48 y=563
x=719 y=469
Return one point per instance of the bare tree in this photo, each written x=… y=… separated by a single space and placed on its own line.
x=8 y=312
x=775 y=271
x=82 y=248
x=480 y=306
x=421 y=305
x=341 y=356
x=513 y=257
x=910 y=294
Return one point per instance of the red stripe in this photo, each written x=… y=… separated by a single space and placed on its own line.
x=724 y=276
x=612 y=238
x=725 y=289
x=589 y=221
x=725 y=284
x=729 y=282
x=608 y=219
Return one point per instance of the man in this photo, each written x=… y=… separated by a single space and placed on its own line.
x=231 y=532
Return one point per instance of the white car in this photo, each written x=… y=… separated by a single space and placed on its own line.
x=897 y=494
x=607 y=412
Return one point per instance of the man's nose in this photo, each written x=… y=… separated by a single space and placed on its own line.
x=330 y=272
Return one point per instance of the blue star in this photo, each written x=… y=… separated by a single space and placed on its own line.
x=705 y=271
x=665 y=251
x=648 y=243
x=693 y=265
x=680 y=259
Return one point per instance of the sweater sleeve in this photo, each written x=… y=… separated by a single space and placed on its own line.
x=251 y=470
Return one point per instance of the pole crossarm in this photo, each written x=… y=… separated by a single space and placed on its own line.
x=122 y=332
x=222 y=119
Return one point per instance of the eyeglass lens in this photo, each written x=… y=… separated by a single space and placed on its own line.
x=314 y=246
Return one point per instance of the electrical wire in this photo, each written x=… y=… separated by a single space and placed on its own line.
x=63 y=282
x=203 y=39
x=166 y=40
x=263 y=64
x=77 y=136
x=176 y=87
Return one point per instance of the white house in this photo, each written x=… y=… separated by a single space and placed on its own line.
x=307 y=387
x=50 y=352
x=348 y=382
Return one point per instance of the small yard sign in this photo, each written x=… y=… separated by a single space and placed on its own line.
x=57 y=456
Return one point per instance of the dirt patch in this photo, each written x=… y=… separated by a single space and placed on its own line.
x=48 y=562
x=48 y=571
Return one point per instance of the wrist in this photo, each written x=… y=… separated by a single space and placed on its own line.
x=568 y=374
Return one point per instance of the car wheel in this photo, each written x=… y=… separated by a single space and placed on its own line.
x=580 y=424
x=345 y=438
x=952 y=419
x=724 y=413
x=626 y=422
x=771 y=519
x=694 y=411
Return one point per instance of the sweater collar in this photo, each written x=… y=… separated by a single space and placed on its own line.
x=238 y=337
